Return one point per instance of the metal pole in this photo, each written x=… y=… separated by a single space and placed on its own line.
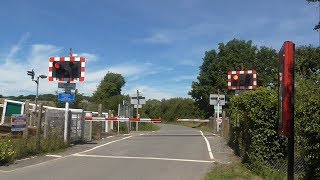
x=137 y=110
x=39 y=129
x=218 y=110
x=36 y=100
x=66 y=122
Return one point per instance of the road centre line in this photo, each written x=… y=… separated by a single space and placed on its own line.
x=143 y=158
x=208 y=145
x=105 y=144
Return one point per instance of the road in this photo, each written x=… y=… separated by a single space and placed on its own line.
x=173 y=152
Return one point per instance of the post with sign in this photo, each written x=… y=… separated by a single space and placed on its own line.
x=18 y=122
x=286 y=100
x=66 y=70
x=138 y=100
x=217 y=100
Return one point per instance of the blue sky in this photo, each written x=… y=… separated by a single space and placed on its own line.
x=157 y=46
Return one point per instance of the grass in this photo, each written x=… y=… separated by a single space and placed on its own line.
x=146 y=126
x=231 y=171
x=197 y=125
x=22 y=147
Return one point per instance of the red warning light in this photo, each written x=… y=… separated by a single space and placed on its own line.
x=57 y=65
x=235 y=77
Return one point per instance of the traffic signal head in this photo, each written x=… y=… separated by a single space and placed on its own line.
x=31 y=73
x=66 y=69
x=235 y=80
x=242 y=80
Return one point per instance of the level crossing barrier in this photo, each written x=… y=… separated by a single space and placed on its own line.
x=123 y=119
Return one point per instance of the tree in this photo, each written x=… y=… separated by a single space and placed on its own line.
x=171 y=109
x=235 y=55
x=307 y=61
x=108 y=92
x=317 y=26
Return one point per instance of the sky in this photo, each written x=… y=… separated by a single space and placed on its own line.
x=157 y=46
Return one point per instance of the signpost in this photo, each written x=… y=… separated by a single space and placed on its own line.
x=18 y=122
x=137 y=100
x=218 y=101
x=286 y=99
x=66 y=70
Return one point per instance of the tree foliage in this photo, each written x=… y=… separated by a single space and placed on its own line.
x=234 y=55
x=171 y=109
x=108 y=92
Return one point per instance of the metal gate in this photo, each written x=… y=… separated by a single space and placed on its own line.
x=76 y=126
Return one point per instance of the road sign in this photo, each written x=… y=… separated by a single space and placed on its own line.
x=134 y=99
x=217 y=98
x=63 y=97
x=69 y=86
x=137 y=106
x=18 y=122
x=216 y=108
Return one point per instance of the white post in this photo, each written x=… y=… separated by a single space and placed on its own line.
x=66 y=122
x=218 y=111
x=3 y=112
x=106 y=129
x=118 y=126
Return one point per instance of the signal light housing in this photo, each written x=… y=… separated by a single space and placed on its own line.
x=242 y=80
x=31 y=73
x=66 y=69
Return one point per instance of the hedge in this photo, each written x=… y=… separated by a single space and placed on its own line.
x=254 y=126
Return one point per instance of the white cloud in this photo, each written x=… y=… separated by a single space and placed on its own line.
x=159 y=37
x=15 y=81
x=15 y=48
x=89 y=57
x=158 y=92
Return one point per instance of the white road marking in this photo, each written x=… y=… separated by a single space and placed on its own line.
x=26 y=158
x=52 y=155
x=105 y=144
x=45 y=162
x=109 y=137
x=143 y=158
x=208 y=145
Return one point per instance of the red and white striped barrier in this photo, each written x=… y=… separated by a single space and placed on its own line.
x=122 y=119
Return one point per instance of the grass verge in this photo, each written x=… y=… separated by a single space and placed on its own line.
x=230 y=171
x=240 y=171
x=197 y=125
x=146 y=126
x=12 y=149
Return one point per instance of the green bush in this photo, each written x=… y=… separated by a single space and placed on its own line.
x=307 y=124
x=254 y=126
x=7 y=152
x=20 y=148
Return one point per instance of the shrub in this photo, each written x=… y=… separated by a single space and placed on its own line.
x=254 y=123
x=7 y=152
